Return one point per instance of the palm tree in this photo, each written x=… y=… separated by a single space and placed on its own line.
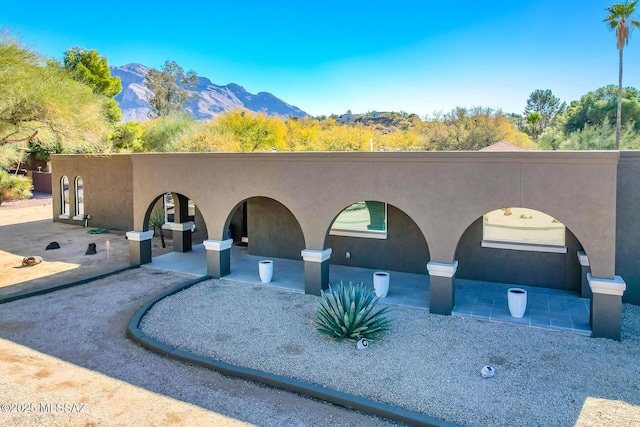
x=620 y=19
x=533 y=119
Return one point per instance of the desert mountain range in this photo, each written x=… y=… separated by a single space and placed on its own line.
x=212 y=99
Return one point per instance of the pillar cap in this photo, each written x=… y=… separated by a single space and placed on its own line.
x=583 y=258
x=180 y=226
x=615 y=286
x=441 y=269
x=217 y=245
x=312 y=255
x=139 y=236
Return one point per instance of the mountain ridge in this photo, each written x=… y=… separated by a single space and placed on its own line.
x=212 y=99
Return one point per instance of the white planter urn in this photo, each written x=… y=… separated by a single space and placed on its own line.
x=517 y=299
x=381 y=283
x=265 y=268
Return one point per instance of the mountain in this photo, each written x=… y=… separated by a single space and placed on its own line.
x=211 y=101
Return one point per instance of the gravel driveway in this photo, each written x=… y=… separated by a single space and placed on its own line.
x=69 y=347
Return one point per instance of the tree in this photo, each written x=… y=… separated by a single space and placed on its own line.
x=532 y=120
x=13 y=187
x=600 y=106
x=88 y=67
x=43 y=104
x=248 y=131
x=620 y=18
x=545 y=103
x=163 y=133
x=170 y=87
x=126 y=137
x=471 y=129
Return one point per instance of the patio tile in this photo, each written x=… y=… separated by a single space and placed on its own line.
x=563 y=322
x=546 y=308
x=582 y=326
x=540 y=321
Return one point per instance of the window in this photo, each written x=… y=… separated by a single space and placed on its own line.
x=79 y=193
x=523 y=229
x=64 y=198
x=363 y=219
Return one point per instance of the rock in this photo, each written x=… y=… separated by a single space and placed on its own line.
x=91 y=250
x=52 y=245
x=31 y=261
x=487 y=372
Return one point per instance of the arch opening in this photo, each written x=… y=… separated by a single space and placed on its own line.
x=377 y=235
x=520 y=246
x=78 y=189
x=265 y=227
x=65 y=210
x=171 y=208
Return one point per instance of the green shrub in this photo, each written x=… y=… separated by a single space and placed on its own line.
x=348 y=312
x=14 y=187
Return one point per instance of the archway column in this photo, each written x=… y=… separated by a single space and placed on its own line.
x=218 y=257
x=442 y=287
x=585 y=289
x=181 y=235
x=316 y=270
x=139 y=247
x=606 y=307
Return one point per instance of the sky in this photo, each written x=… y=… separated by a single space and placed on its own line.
x=329 y=57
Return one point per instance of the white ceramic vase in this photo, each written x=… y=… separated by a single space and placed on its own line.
x=517 y=299
x=381 y=283
x=265 y=268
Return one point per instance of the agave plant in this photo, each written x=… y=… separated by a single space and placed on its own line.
x=156 y=220
x=348 y=312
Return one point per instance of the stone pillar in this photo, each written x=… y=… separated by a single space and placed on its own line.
x=218 y=257
x=316 y=270
x=585 y=289
x=442 y=287
x=181 y=235
x=139 y=247
x=606 y=307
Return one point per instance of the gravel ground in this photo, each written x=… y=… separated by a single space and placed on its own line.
x=426 y=363
x=70 y=347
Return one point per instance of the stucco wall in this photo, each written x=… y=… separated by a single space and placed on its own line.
x=541 y=269
x=443 y=192
x=628 y=225
x=108 y=189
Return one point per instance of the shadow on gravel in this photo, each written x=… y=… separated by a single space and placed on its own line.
x=311 y=390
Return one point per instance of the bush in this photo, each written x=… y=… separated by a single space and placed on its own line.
x=348 y=312
x=14 y=187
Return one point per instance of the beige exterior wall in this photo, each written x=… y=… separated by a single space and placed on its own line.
x=443 y=192
x=108 y=188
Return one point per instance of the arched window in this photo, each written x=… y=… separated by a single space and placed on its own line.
x=64 y=198
x=79 y=193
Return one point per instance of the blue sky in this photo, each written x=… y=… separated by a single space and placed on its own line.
x=330 y=57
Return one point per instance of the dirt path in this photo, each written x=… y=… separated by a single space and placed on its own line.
x=65 y=359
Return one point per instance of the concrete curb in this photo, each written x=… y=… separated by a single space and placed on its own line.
x=53 y=288
x=346 y=400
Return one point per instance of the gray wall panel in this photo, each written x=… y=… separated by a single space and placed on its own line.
x=273 y=231
x=628 y=225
